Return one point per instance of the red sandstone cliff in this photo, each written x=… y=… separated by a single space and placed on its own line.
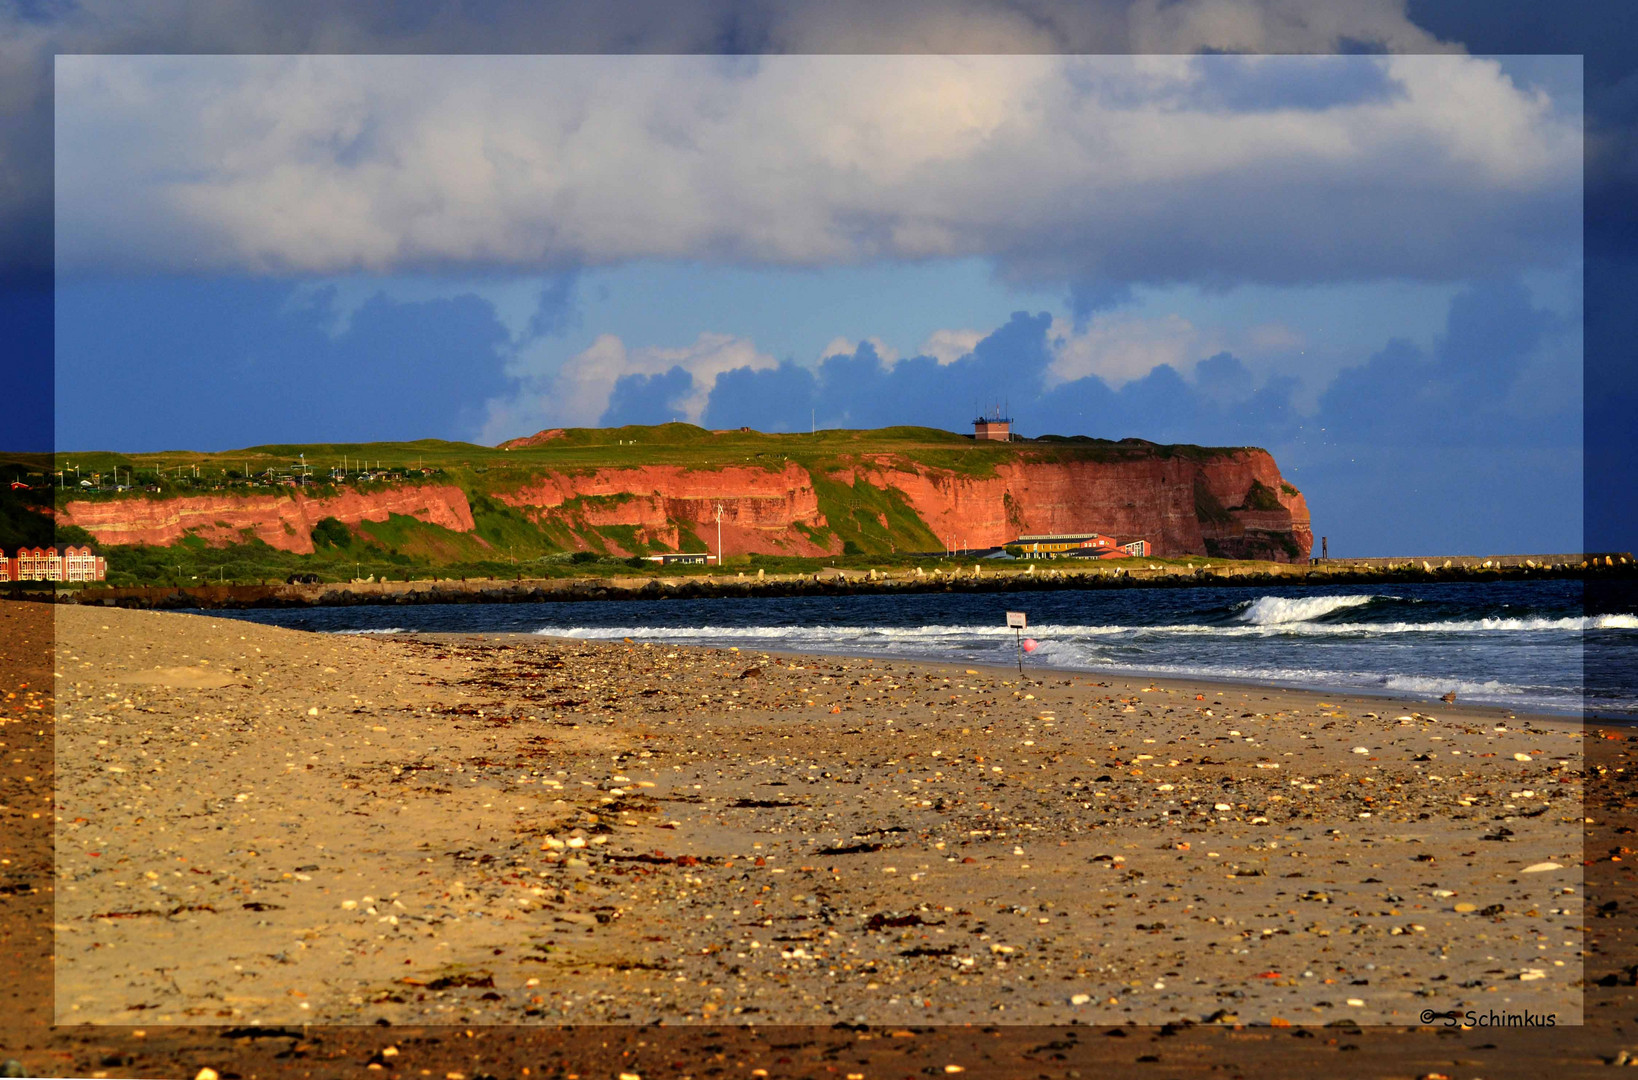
x=1232 y=503
x=1181 y=505
x=762 y=510
x=283 y=520
x=1150 y=497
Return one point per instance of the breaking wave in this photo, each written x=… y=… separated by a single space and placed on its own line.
x=1277 y=610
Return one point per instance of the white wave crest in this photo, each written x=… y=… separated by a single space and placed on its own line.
x=943 y=634
x=1432 y=684
x=1274 y=610
x=382 y=630
x=1574 y=622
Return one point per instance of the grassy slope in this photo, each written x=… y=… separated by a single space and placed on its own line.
x=668 y=444
x=508 y=540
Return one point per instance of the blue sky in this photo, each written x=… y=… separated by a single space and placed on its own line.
x=1370 y=265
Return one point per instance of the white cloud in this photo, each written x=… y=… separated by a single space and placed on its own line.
x=841 y=346
x=948 y=346
x=576 y=393
x=1119 y=348
x=1126 y=168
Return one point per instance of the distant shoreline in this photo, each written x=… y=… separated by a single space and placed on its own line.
x=833 y=582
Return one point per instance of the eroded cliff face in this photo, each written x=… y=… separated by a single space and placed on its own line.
x=1152 y=498
x=1233 y=504
x=763 y=510
x=283 y=519
x=1230 y=503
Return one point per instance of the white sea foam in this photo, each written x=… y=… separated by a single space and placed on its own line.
x=1493 y=692
x=1276 y=610
x=1433 y=684
x=936 y=633
x=382 y=630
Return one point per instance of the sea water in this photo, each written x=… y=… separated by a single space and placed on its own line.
x=1532 y=646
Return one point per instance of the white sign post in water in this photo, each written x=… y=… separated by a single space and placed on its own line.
x=1016 y=622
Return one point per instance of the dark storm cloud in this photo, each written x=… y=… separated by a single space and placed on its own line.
x=1493 y=378
x=1463 y=392
x=555 y=311
x=1088 y=296
x=1223 y=404
x=774 y=399
x=647 y=399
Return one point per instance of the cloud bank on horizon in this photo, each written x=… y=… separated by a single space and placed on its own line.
x=1188 y=243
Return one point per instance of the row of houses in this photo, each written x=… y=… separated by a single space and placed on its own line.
x=48 y=564
x=1082 y=545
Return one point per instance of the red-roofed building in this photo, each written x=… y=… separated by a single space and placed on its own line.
x=83 y=564
x=47 y=564
x=1064 y=543
x=35 y=564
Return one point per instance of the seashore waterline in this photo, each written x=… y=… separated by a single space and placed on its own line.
x=1532 y=646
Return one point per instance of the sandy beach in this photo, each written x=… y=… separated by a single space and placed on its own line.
x=262 y=826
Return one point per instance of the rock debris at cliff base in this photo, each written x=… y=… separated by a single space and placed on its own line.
x=260 y=826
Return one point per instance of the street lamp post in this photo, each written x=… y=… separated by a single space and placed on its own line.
x=719 y=536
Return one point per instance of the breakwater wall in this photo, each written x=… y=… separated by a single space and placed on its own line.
x=975 y=577
x=1485 y=562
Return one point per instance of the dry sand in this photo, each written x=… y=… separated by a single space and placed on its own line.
x=261 y=826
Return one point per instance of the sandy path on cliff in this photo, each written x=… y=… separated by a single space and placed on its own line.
x=261 y=825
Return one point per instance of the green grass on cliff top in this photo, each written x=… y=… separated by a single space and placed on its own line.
x=666 y=444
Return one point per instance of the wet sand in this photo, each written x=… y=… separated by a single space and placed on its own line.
x=261 y=826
